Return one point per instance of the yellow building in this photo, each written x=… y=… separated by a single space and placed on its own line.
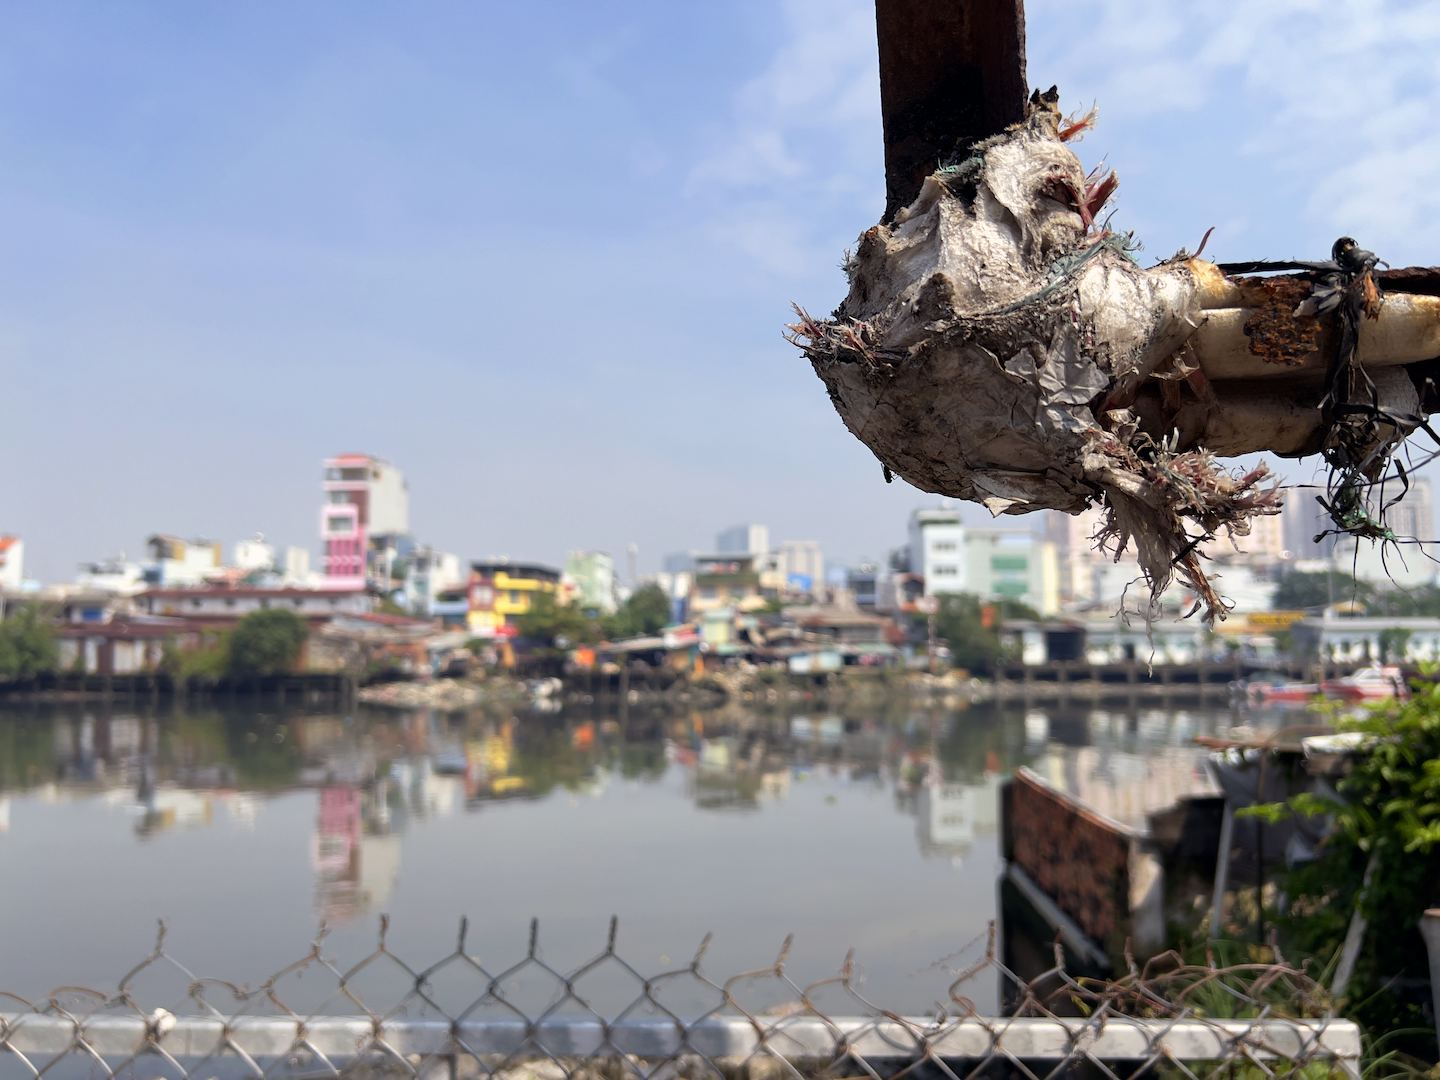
x=501 y=592
x=724 y=582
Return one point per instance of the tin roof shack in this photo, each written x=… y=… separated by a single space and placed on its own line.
x=123 y=644
x=374 y=643
x=1094 y=880
x=1037 y=642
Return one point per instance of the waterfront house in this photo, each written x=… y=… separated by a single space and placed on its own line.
x=1367 y=640
x=122 y=645
x=725 y=581
x=502 y=591
x=1107 y=641
x=222 y=606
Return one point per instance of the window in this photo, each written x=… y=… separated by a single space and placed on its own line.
x=946 y=571
x=229 y=601
x=943 y=545
x=195 y=603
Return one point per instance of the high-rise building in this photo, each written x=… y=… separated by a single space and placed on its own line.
x=1413 y=517
x=743 y=540
x=367 y=509
x=1302 y=519
x=801 y=566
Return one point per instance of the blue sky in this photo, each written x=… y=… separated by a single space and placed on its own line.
x=539 y=255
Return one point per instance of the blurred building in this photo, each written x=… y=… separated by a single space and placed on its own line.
x=12 y=563
x=743 y=540
x=725 y=581
x=176 y=562
x=801 y=566
x=117 y=575
x=297 y=566
x=366 y=513
x=253 y=554
x=863 y=581
x=502 y=591
x=1012 y=564
x=937 y=551
x=592 y=574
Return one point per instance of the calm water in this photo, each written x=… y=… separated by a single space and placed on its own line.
x=245 y=830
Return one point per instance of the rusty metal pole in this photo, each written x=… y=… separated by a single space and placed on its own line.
x=952 y=72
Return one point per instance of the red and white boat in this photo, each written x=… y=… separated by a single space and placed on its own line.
x=1379 y=683
x=1368 y=684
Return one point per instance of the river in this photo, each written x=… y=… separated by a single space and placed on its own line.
x=245 y=830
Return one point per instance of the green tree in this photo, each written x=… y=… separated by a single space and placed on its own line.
x=1382 y=855
x=1301 y=590
x=27 y=643
x=961 y=624
x=550 y=622
x=646 y=612
x=266 y=643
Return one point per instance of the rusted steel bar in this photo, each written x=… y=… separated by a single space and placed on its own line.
x=952 y=72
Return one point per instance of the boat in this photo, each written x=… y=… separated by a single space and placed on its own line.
x=1376 y=683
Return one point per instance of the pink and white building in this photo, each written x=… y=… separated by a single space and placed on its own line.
x=366 y=501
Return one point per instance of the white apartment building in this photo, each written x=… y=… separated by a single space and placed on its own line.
x=178 y=562
x=801 y=565
x=937 y=550
x=12 y=563
x=253 y=554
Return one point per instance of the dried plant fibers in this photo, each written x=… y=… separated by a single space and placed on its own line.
x=997 y=346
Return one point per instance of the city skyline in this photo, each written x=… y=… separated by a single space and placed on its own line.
x=227 y=269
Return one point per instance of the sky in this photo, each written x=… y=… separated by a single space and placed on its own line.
x=540 y=255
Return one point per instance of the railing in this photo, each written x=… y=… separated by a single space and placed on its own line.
x=456 y=1019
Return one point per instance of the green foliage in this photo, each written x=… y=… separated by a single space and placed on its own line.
x=557 y=625
x=265 y=643
x=1388 y=815
x=647 y=612
x=960 y=623
x=1301 y=590
x=1393 y=644
x=27 y=643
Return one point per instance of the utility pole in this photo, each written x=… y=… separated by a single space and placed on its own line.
x=952 y=72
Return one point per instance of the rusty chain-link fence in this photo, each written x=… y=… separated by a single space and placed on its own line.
x=459 y=1018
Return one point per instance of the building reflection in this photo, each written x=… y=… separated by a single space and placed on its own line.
x=377 y=777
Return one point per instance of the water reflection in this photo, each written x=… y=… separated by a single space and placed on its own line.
x=673 y=819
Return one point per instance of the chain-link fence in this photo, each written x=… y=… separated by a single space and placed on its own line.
x=459 y=1018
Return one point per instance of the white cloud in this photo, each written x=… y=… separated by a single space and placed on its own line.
x=1337 y=99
